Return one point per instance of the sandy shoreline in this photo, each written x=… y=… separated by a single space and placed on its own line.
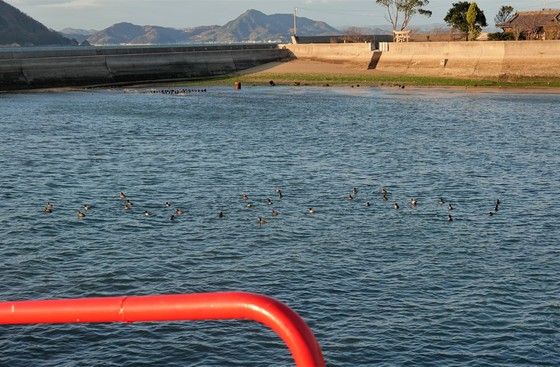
x=309 y=72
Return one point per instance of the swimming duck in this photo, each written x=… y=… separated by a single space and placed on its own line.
x=441 y=201
x=179 y=211
x=413 y=202
x=49 y=205
x=269 y=202
x=449 y=207
x=47 y=209
x=81 y=215
x=496 y=208
x=350 y=197
x=245 y=197
x=383 y=191
x=221 y=214
x=122 y=196
x=354 y=191
x=262 y=221
x=396 y=206
x=86 y=207
x=167 y=204
x=126 y=206
x=311 y=211
x=385 y=198
x=367 y=204
x=274 y=213
x=172 y=217
x=449 y=218
x=490 y=214
x=249 y=205
x=279 y=192
x=147 y=213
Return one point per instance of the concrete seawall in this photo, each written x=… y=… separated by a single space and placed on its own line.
x=28 y=69
x=473 y=59
x=351 y=54
x=447 y=59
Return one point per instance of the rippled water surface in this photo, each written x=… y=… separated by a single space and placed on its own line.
x=378 y=285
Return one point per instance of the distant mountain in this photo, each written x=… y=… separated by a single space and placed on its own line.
x=252 y=26
x=18 y=28
x=256 y=26
x=127 y=33
x=79 y=35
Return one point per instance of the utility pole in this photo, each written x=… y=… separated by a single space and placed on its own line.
x=295 y=23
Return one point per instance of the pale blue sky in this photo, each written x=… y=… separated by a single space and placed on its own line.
x=100 y=14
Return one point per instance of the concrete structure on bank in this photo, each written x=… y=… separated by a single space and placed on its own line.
x=446 y=59
x=474 y=59
x=352 y=54
x=87 y=66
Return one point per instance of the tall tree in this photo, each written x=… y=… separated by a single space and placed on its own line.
x=399 y=12
x=471 y=18
x=505 y=14
x=457 y=18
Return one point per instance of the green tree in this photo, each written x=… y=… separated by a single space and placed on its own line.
x=399 y=12
x=471 y=18
x=457 y=18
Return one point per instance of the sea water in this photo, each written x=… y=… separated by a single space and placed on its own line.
x=379 y=286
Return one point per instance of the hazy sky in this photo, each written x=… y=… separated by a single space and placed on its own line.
x=100 y=14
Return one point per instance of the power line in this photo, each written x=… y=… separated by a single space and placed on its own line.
x=537 y=5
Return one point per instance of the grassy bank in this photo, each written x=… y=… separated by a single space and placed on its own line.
x=373 y=79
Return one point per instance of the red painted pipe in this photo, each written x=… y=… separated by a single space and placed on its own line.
x=204 y=306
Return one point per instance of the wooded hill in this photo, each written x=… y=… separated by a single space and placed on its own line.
x=17 y=28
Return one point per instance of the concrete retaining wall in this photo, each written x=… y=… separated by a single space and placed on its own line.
x=452 y=59
x=473 y=59
x=354 y=54
x=25 y=69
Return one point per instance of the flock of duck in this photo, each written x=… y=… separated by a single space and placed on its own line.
x=414 y=202
x=274 y=213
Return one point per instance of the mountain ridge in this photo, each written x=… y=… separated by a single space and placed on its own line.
x=251 y=26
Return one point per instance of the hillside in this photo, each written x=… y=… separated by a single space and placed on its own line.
x=18 y=28
x=251 y=26
x=80 y=35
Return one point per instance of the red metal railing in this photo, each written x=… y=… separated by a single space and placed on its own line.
x=205 y=306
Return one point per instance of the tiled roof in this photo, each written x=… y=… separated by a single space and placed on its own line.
x=536 y=18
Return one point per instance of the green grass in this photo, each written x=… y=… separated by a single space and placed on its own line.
x=373 y=80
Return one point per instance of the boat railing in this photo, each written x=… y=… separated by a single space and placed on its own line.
x=202 y=306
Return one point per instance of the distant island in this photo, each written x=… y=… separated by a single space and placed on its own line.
x=253 y=26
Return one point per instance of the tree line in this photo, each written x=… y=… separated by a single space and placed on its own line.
x=465 y=17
